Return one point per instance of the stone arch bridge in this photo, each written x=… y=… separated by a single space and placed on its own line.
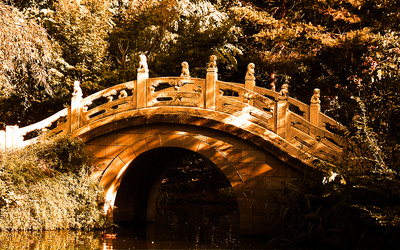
x=257 y=137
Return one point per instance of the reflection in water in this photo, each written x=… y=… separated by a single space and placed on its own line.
x=50 y=240
x=181 y=227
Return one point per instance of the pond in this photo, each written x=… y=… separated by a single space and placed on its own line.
x=194 y=226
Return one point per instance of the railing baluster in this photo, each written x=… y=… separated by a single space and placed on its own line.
x=315 y=108
x=211 y=84
x=142 y=76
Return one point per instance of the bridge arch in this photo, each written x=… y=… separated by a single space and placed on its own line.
x=255 y=174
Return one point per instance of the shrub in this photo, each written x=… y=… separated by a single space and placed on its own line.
x=48 y=186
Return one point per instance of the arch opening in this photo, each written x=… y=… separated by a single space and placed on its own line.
x=161 y=177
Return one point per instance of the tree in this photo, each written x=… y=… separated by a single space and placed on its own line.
x=26 y=55
x=81 y=30
x=350 y=51
x=170 y=32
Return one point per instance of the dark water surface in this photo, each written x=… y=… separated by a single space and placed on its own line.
x=194 y=226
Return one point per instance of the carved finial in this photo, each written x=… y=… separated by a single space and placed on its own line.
x=142 y=63
x=250 y=70
x=109 y=95
x=284 y=93
x=272 y=78
x=213 y=62
x=122 y=94
x=185 y=69
x=315 y=97
x=77 y=89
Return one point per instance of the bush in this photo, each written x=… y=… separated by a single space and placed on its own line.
x=48 y=186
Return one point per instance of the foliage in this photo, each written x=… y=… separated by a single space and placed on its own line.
x=81 y=30
x=47 y=186
x=171 y=31
x=346 y=49
x=26 y=55
x=195 y=178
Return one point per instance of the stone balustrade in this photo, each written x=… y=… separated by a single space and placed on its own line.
x=294 y=121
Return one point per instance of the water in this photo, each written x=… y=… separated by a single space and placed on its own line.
x=186 y=226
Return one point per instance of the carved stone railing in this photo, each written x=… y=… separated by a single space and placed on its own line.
x=175 y=91
x=13 y=136
x=298 y=123
x=106 y=102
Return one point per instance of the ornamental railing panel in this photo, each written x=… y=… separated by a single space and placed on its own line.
x=175 y=91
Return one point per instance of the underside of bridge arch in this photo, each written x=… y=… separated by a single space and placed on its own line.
x=133 y=161
x=138 y=191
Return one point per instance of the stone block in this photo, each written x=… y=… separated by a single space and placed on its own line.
x=244 y=168
x=245 y=216
x=217 y=134
x=207 y=151
x=256 y=169
x=171 y=140
x=185 y=130
x=286 y=171
x=255 y=156
x=263 y=169
x=202 y=138
x=97 y=174
x=153 y=141
x=234 y=155
x=191 y=143
x=274 y=183
x=98 y=151
x=107 y=179
x=236 y=182
x=108 y=140
x=116 y=166
x=161 y=130
x=221 y=161
x=269 y=158
x=138 y=130
x=113 y=151
x=102 y=163
x=127 y=155
x=258 y=208
x=139 y=147
x=222 y=146
x=233 y=176
x=242 y=144
x=125 y=139
x=254 y=182
x=266 y=196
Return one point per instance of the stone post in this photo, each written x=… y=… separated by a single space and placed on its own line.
x=2 y=139
x=250 y=79
x=250 y=83
x=211 y=84
x=281 y=117
x=282 y=107
x=76 y=107
x=315 y=108
x=142 y=76
x=12 y=137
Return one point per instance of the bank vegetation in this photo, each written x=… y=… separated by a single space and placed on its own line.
x=48 y=186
